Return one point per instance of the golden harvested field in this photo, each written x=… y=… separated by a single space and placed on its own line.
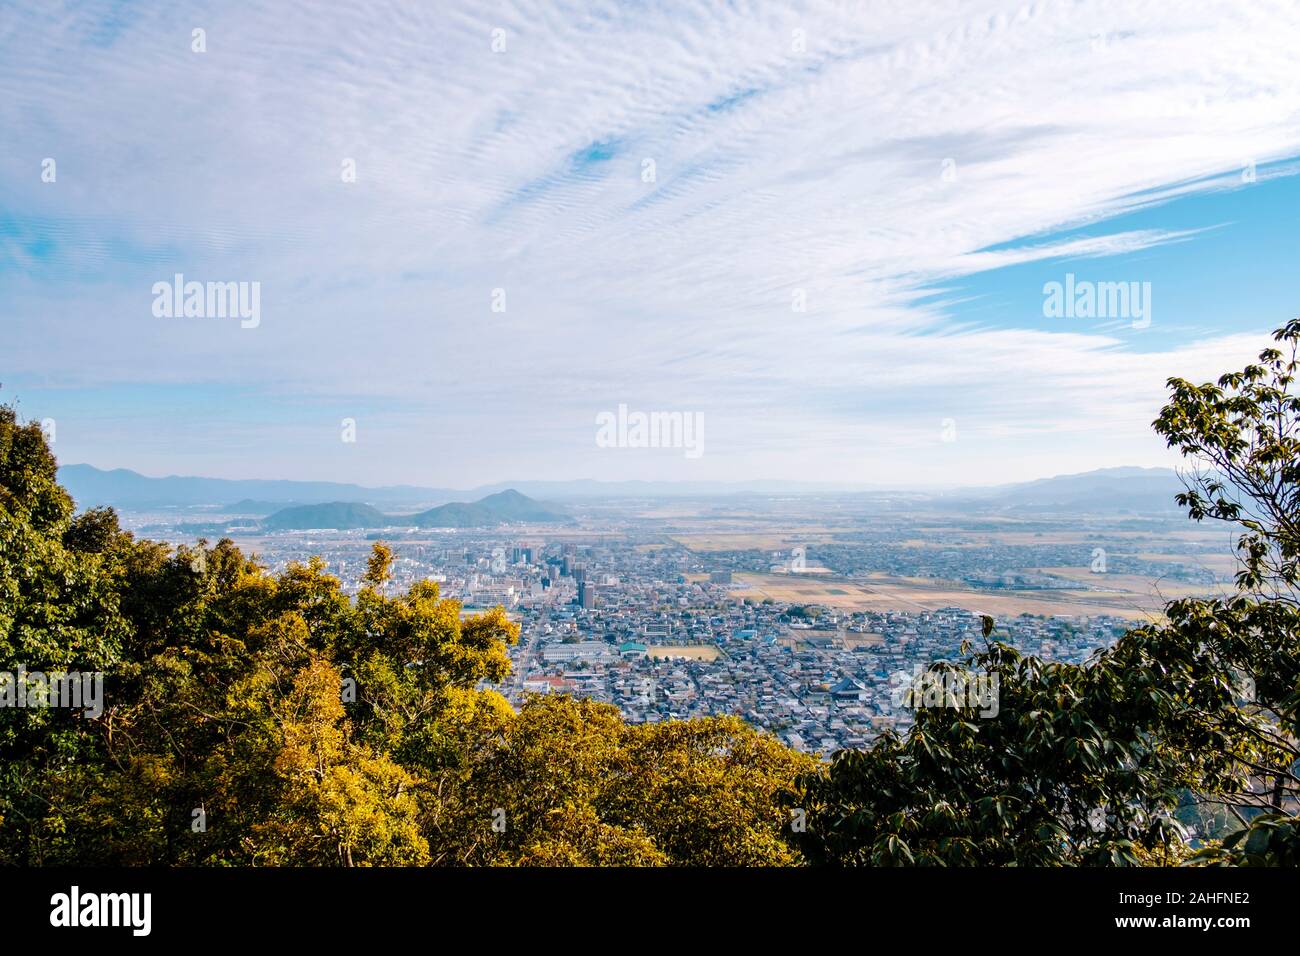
x=881 y=593
x=854 y=639
x=748 y=541
x=694 y=652
x=1091 y=537
x=798 y=640
x=1224 y=564
x=1132 y=583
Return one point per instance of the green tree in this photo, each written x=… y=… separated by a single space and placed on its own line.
x=1089 y=764
x=569 y=781
x=379 y=569
x=1243 y=435
x=59 y=613
x=259 y=719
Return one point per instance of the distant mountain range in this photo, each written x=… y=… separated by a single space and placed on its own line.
x=502 y=507
x=122 y=488
x=1108 y=490
x=340 y=515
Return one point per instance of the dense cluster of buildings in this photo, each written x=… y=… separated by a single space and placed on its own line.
x=819 y=686
x=661 y=632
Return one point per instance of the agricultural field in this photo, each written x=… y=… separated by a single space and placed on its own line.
x=1122 y=596
x=706 y=541
x=693 y=652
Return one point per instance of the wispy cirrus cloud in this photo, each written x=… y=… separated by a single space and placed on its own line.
x=655 y=187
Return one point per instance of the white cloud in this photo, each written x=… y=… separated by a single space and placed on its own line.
x=776 y=171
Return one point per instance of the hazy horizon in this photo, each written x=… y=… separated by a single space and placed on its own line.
x=819 y=486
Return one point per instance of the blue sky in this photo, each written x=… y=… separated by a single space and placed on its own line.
x=1234 y=268
x=654 y=188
